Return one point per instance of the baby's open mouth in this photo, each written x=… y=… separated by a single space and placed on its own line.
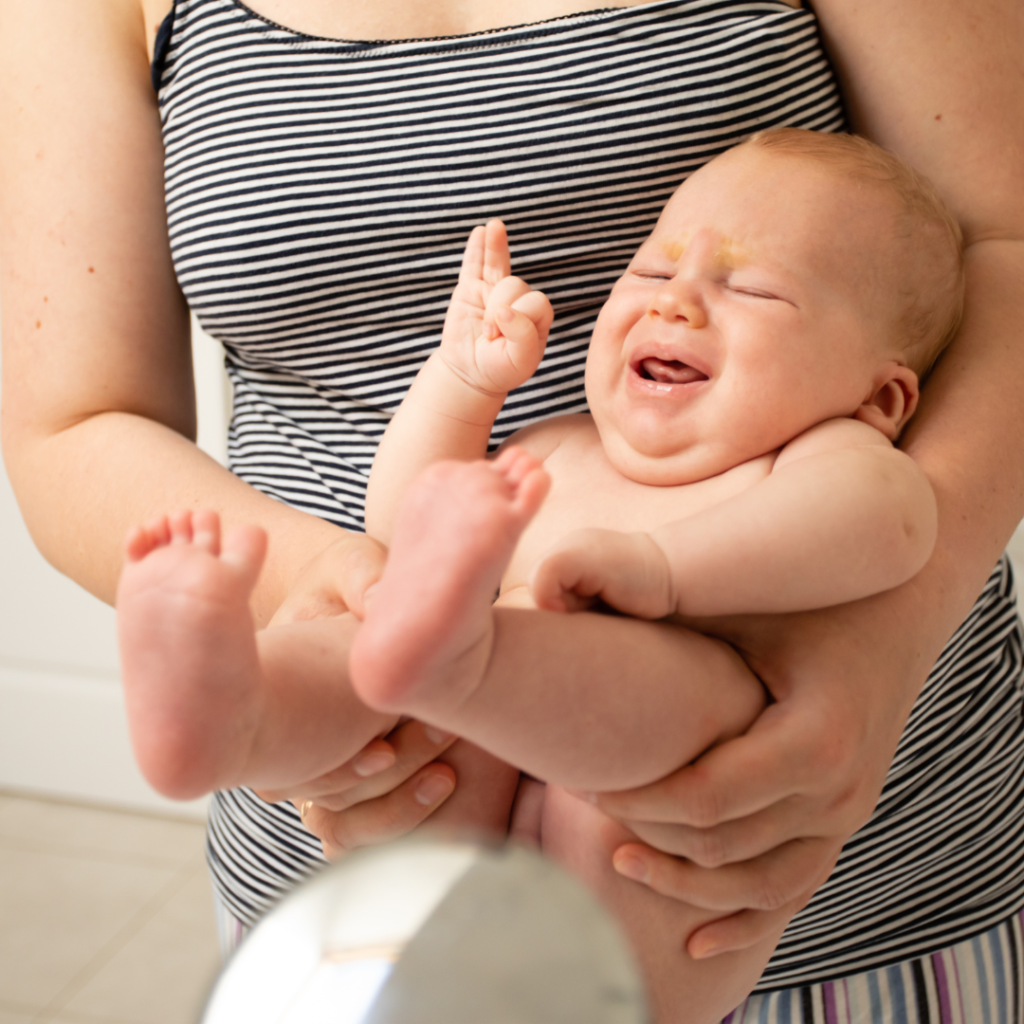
x=668 y=371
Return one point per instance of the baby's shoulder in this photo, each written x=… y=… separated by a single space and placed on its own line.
x=560 y=433
x=833 y=435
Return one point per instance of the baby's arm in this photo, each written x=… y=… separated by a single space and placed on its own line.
x=842 y=515
x=493 y=340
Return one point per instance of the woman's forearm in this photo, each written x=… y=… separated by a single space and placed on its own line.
x=98 y=403
x=81 y=488
x=941 y=84
x=968 y=435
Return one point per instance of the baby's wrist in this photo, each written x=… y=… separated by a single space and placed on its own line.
x=460 y=394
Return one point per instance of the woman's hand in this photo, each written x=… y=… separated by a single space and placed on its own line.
x=483 y=804
x=389 y=788
x=754 y=826
x=392 y=784
x=334 y=581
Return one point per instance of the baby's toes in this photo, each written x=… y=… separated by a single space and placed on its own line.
x=515 y=464
x=138 y=544
x=526 y=477
x=180 y=526
x=142 y=540
x=244 y=549
x=206 y=531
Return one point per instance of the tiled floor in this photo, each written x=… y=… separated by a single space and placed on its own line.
x=105 y=918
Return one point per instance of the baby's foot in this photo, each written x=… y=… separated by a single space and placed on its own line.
x=188 y=650
x=424 y=643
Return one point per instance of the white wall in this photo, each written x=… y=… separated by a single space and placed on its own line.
x=62 y=725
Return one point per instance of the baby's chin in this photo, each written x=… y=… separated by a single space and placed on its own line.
x=656 y=467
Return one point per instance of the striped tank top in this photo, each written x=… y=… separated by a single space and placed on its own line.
x=319 y=194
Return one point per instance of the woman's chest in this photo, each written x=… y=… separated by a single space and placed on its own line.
x=319 y=192
x=415 y=19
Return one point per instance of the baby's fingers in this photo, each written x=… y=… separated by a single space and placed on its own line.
x=472 y=269
x=486 y=257
x=525 y=345
x=536 y=306
x=557 y=584
x=522 y=316
x=497 y=263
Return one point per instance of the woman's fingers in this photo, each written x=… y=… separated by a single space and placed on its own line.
x=381 y=766
x=527 y=810
x=381 y=820
x=748 y=927
x=729 y=842
x=414 y=745
x=770 y=882
x=335 y=581
x=376 y=757
x=801 y=757
x=741 y=931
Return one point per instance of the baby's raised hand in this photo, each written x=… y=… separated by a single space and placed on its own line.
x=496 y=327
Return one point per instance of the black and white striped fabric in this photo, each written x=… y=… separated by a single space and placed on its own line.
x=319 y=194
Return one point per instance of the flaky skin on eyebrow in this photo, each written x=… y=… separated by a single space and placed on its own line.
x=727 y=257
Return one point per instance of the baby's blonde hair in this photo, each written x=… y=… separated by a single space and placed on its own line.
x=931 y=292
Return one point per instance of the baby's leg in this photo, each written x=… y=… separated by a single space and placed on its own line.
x=681 y=990
x=428 y=630
x=211 y=703
x=589 y=701
x=484 y=793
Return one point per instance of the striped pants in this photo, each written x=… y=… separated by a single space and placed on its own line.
x=980 y=981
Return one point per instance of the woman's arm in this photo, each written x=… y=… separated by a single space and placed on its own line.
x=941 y=84
x=98 y=407
x=98 y=403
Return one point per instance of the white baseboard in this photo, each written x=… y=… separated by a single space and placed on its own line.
x=65 y=736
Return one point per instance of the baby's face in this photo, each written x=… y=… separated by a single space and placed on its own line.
x=747 y=317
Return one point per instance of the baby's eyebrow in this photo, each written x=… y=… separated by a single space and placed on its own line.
x=673 y=250
x=729 y=257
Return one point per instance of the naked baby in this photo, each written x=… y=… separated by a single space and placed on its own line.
x=747 y=378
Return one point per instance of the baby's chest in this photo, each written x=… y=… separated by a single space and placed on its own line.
x=587 y=494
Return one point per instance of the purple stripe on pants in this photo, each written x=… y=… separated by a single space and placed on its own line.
x=942 y=986
x=828 y=991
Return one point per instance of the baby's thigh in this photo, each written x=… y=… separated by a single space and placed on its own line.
x=485 y=789
x=681 y=990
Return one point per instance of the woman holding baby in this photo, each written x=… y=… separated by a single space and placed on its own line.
x=318 y=195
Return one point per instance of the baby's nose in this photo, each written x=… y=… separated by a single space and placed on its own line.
x=679 y=301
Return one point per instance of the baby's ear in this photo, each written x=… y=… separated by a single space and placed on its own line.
x=893 y=401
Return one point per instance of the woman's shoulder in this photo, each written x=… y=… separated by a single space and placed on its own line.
x=154 y=13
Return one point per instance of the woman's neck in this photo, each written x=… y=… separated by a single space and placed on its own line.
x=406 y=19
